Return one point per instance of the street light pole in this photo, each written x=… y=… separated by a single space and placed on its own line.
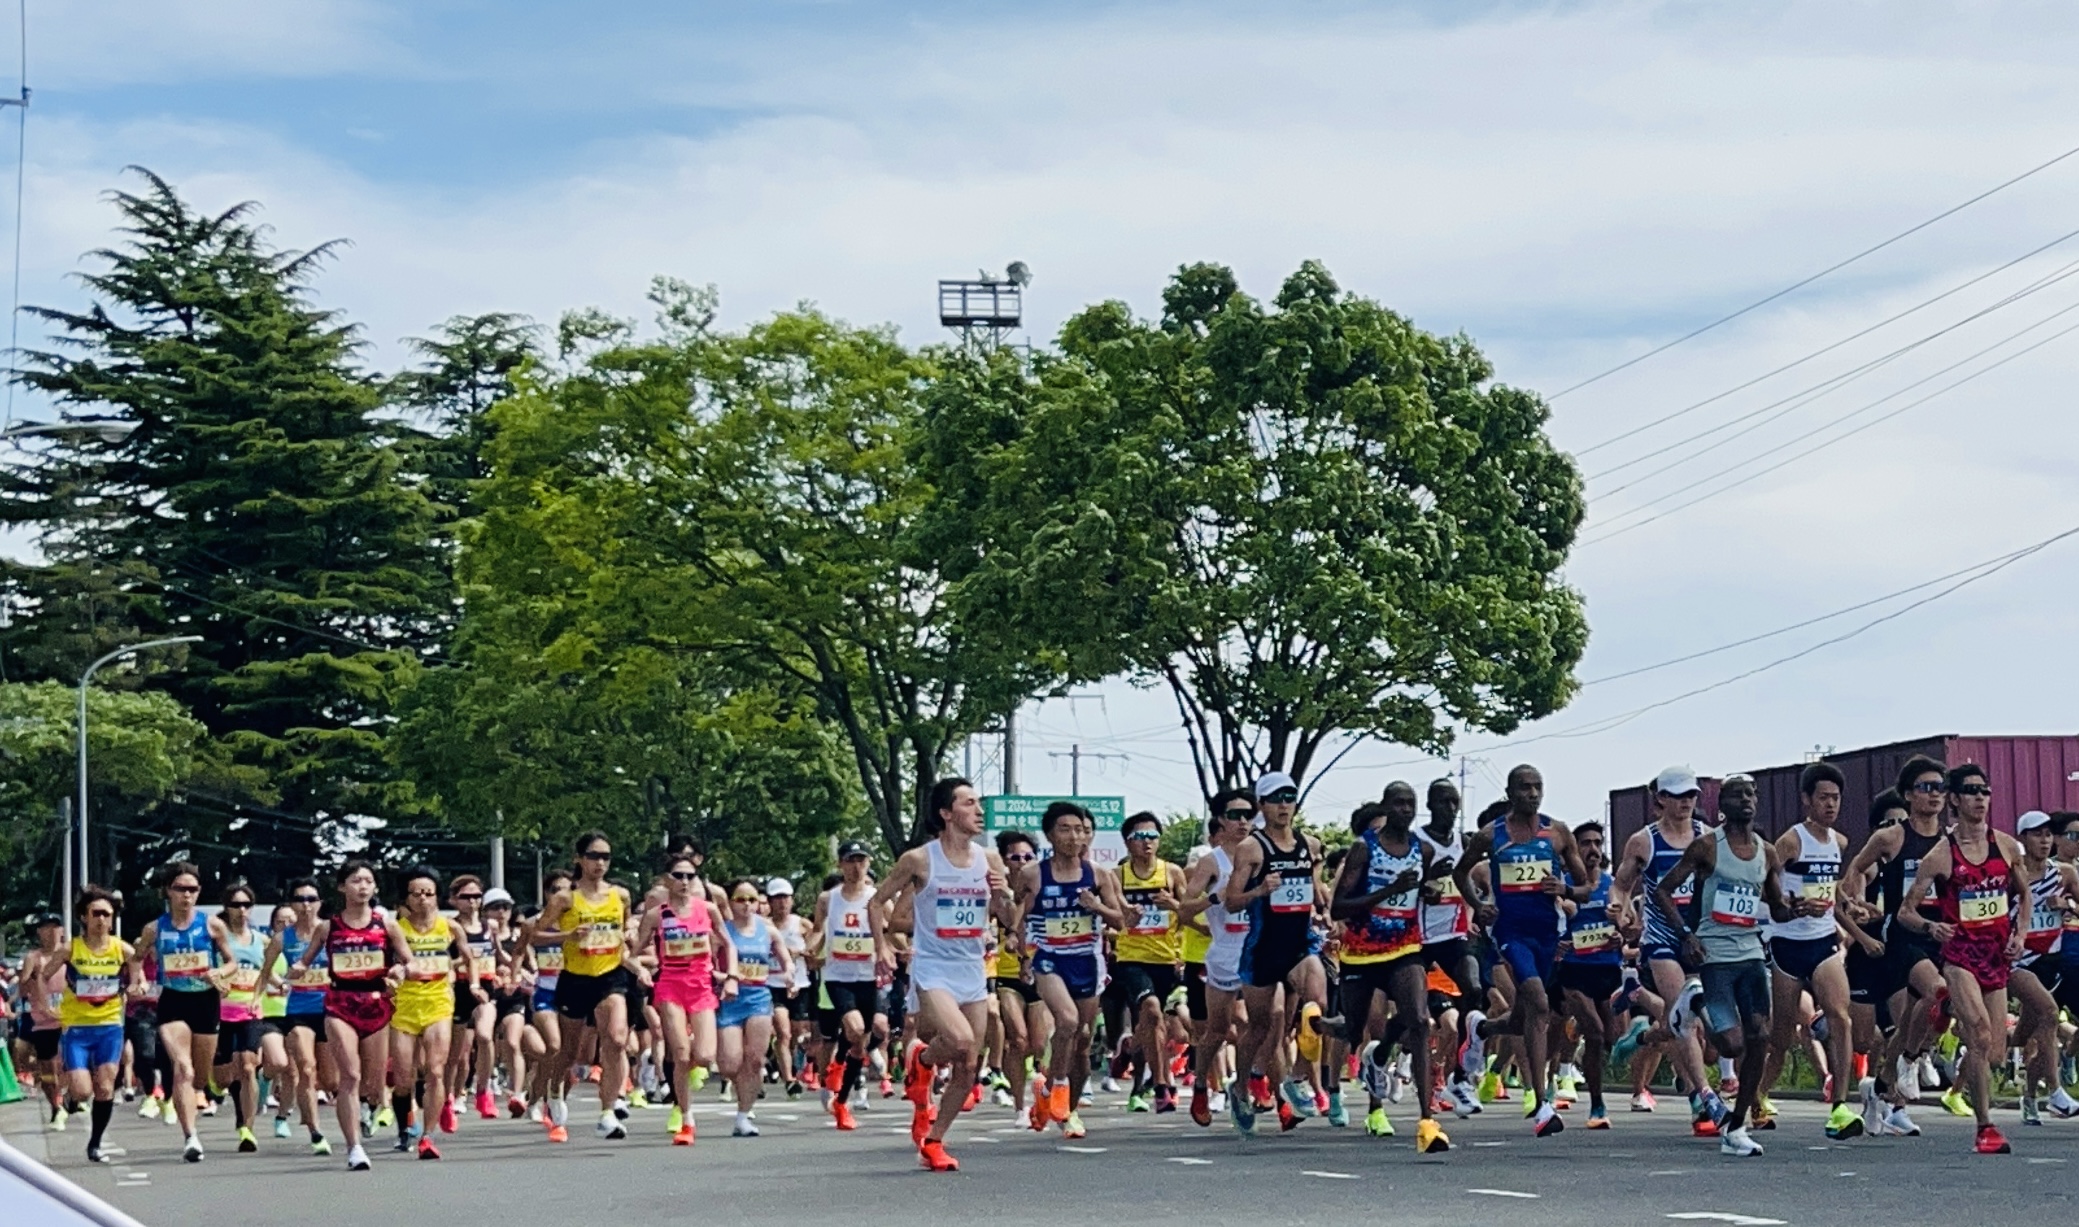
x=85 y=871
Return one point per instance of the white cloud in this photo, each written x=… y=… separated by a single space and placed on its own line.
x=83 y=44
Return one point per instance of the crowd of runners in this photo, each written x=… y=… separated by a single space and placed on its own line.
x=1435 y=964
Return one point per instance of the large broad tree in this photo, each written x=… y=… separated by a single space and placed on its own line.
x=261 y=502
x=1308 y=519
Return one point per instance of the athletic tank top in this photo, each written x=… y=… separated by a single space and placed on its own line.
x=241 y=1001
x=483 y=948
x=274 y=1000
x=1151 y=931
x=2046 y=920
x=358 y=956
x=432 y=951
x=848 y=936
x=306 y=991
x=1393 y=926
x=1591 y=937
x=93 y=993
x=1811 y=874
x=794 y=936
x=1284 y=918
x=46 y=998
x=1448 y=918
x=1897 y=874
x=1066 y=927
x=185 y=955
x=1229 y=930
x=1974 y=897
x=754 y=964
x=594 y=945
x=1730 y=896
x=952 y=909
x=548 y=960
x=1196 y=934
x=685 y=943
x=1519 y=870
x=1658 y=931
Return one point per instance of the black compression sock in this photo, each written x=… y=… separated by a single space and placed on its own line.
x=853 y=1065
x=400 y=1103
x=236 y=1094
x=103 y=1109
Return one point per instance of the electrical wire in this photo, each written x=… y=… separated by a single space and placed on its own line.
x=1824 y=272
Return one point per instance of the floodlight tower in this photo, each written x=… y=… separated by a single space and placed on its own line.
x=986 y=310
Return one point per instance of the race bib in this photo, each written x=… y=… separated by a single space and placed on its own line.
x=430 y=966
x=2043 y=916
x=1294 y=894
x=1686 y=895
x=1150 y=921
x=849 y=947
x=600 y=937
x=1595 y=938
x=1524 y=875
x=753 y=971
x=1981 y=905
x=1737 y=904
x=97 y=989
x=1068 y=927
x=1397 y=907
x=548 y=958
x=685 y=946
x=313 y=978
x=245 y=979
x=1447 y=891
x=961 y=914
x=357 y=962
x=186 y=963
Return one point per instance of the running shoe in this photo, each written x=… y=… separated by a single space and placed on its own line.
x=1729 y=1087
x=1370 y=1072
x=426 y=1149
x=637 y=1099
x=697 y=1077
x=683 y=1135
x=1955 y=1103
x=1288 y=1120
x=281 y=1126
x=1992 y=1142
x=1735 y=1142
x=1072 y=1128
x=1394 y=1080
x=2030 y=1113
x=932 y=1155
x=1309 y=1037
x=1628 y=1043
x=1300 y=1096
x=94 y=1155
x=168 y=1115
x=1376 y=1124
x=357 y=1159
x=1644 y=1102
x=921 y=1119
x=2062 y=1105
x=1598 y=1118
x=1683 y=1011
x=558 y=1133
x=1216 y=1103
x=674 y=1119
x=834 y=1076
x=1472 y=1047
x=916 y=1078
x=1260 y=1092
x=1165 y=1099
x=746 y=1126
x=793 y=1088
x=1463 y=1101
x=843 y=1115
x=1908 y=1079
x=516 y=1107
x=621 y=1109
x=1491 y=1090
x=1872 y=1108
x=384 y=1117
x=1547 y=1122
x=1137 y=1102
x=150 y=1108
x=1337 y=1114
x=610 y=1126
x=1201 y=1107
x=449 y=1121
x=1430 y=1138
x=247 y=1143
x=192 y=1152
x=485 y=1106
x=1843 y=1123
x=320 y=1146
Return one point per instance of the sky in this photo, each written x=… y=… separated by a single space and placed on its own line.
x=1569 y=184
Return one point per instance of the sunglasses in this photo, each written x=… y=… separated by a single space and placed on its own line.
x=596 y=856
x=685 y=877
x=469 y=898
x=1973 y=790
x=1238 y=815
x=1143 y=837
x=743 y=898
x=185 y=890
x=1284 y=796
x=1930 y=786
x=1022 y=858
x=239 y=903
x=101 y=912
x=310 y=898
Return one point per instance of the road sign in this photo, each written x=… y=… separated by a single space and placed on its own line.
x=1022 y=813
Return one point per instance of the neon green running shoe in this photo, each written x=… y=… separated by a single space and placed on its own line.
x=673 y=1121
x=1843 y=1122
x=1376 y=1124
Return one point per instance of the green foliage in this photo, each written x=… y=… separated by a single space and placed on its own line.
x=262 y=502
x=1181 y=833
x=1306 y=519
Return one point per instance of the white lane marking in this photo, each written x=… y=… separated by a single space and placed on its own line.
x=1843 y=1174
x=981 y=1138
x=789 y=1117
x=1192 y=1162
x=1334 y=1175
x=1505 y=1193
x=2046 y=1160
x=1737 y=1220
x=1084 y=1150
x=1490 y=1143
x=1670 y=1171
x=1818 y=1148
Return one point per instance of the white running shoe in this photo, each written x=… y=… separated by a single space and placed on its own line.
x=1872 y=1108
x=1376 y=1078
x=2062 y=1105
x=1683 y=1011
x=357 y=1159
x=1472 y=1050
x=1394 y=1081
x=1216 y=1103
x=1109 y=1086
x=610 y=1126
x=149 y=1109
x=1908 y=1080
x=746 y=1127
x=559 y=1111
x=192 y=1152
x=1899 y=1125
x=1735 y=1142
x=1463 y=1101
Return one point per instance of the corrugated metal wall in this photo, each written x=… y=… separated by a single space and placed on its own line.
x=1632 y=808
x=2026 y=772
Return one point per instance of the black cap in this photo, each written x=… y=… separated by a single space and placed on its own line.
x=853 y=848
x=47 y=918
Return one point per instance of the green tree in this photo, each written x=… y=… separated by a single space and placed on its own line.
x=262 y=501
x=1306 y=519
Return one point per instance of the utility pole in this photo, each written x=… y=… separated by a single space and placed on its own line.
x=1010 y=754
x=1075 y=756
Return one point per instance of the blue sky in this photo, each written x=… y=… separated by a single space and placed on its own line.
x=1567 y=183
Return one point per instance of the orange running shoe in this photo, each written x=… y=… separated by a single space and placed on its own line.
x=932 y=1154
x=426 y=1150
x=916 y=1077
x=1201 y=1107
x=843 y=1112
x=834 y=1076
x=684 y=1137
x=558 y=1133
x=1041 y=1113
x=974 y=1096
x=920 y=1124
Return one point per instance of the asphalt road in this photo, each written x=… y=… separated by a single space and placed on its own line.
x=1139 y=1168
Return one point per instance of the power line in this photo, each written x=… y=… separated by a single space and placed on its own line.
x=1824 y=272
x=1823 y=351
x=1847 y=434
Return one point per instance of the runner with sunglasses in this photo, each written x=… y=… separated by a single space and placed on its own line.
x=193 y=957
x=1220 y=1002
x=849 y=1012
x=1275 y=884
x=2038 y=973
x=541 y=957
x=592 y=989
x=97 y=967
x=436 y=961
x=1975 y=874
x=790 y=997
x=302 y=1023
x=509 y=999
x=684 y=939
x=237 y=1069
x=1146 y=954
x=743 y=1020
x=1027 y=1024
x=476 y=1014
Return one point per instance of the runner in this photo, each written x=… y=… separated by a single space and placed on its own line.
x=193 y=956
x=1063 y=897
x=1274 y=883
x=1806 y=948
x=1976 y=872
x=1025 y=1019
x=1378 y=898
x=1227 y=932
x=357 y=945
x=952 y=886
x=790 y=999
x=1591 y=967
x=1648 y=856
x=542 y=956
x=95 y=970
x=1146 y=952
x=1447 y=926
x=43 y=996
x=744 y=1021
x=302 y=1022
x=2053 y=888
x=679 y=939
x=592 y=989
x=1736 y=870
x=1526 y=847
x=237 y=1069
x=476 y=1007
x=1859 y=914
x=849 y=1010
x=509 y=998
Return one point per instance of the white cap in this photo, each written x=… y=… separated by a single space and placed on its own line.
x=1272 y=781
x=2031 y=820
x=778 y=886
x=1675 y=781
x=497 y=894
